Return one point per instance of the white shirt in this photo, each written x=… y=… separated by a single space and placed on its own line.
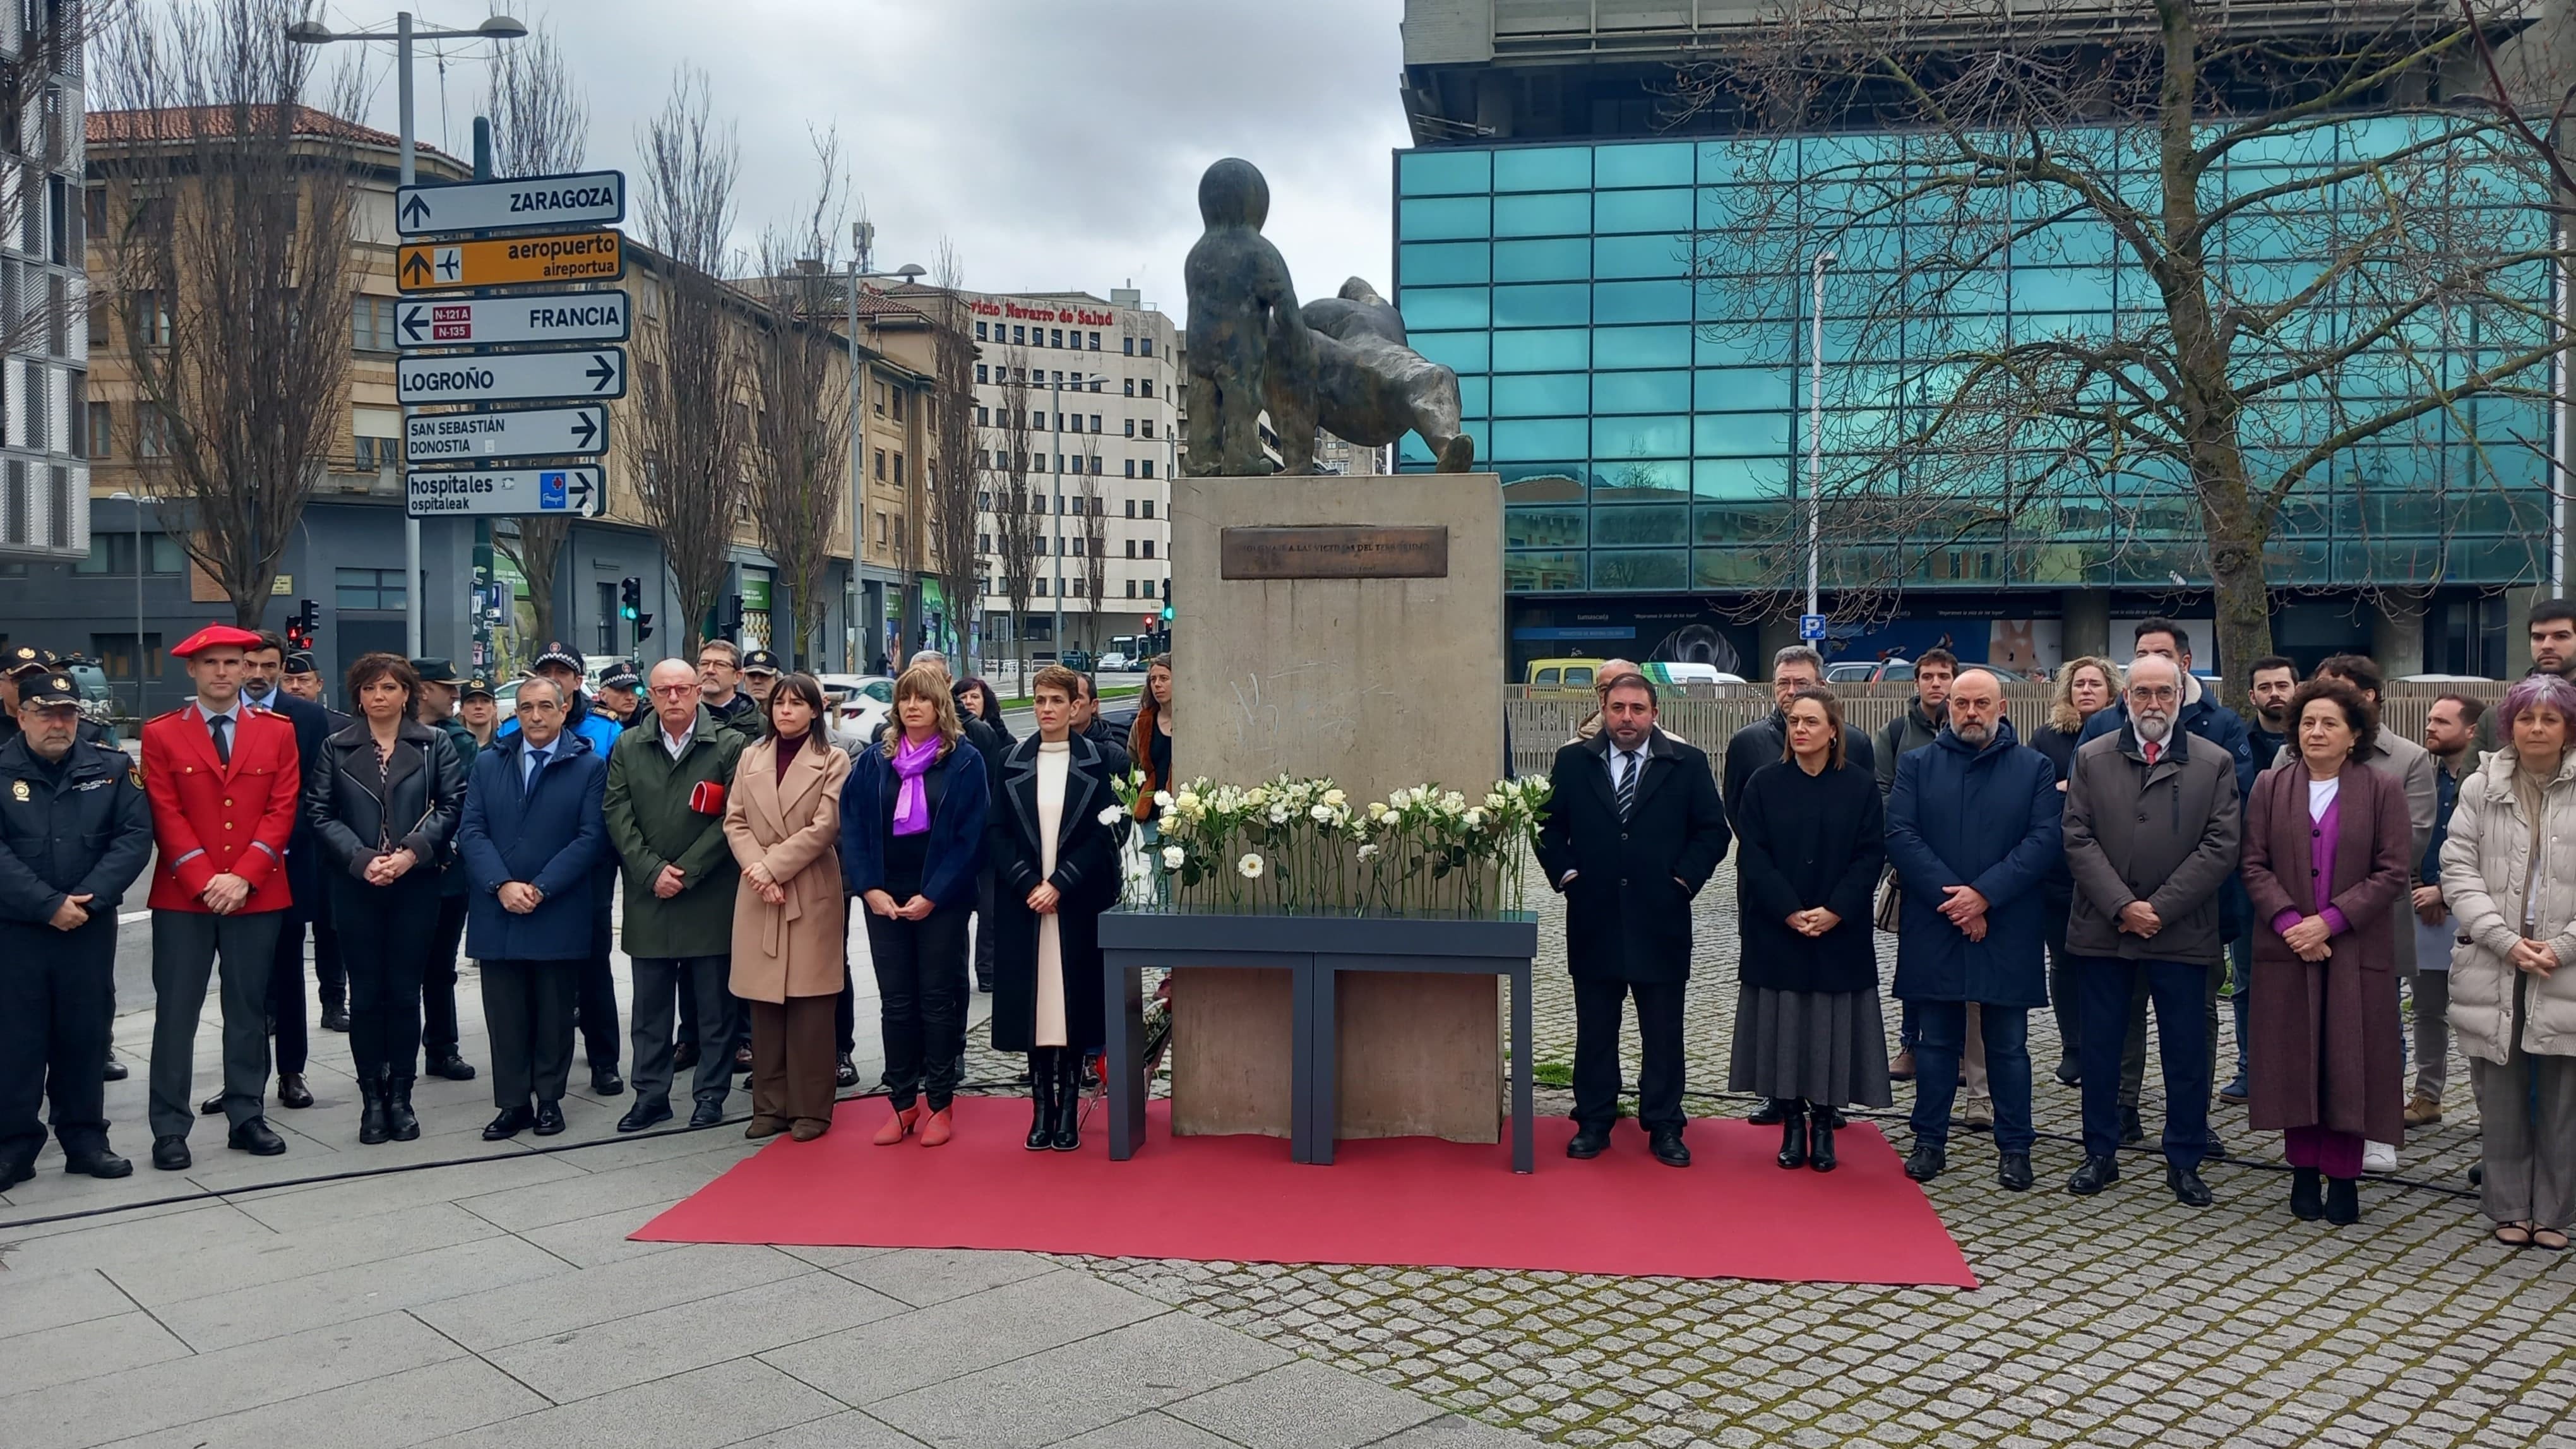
x=1612 y=759
x=230 y=715
x=679 y=744
x=2321 y=797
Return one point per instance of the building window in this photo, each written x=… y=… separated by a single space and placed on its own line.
x=113 y=553
x=367 y=588
x=1095 y=422
x=898 y=468
x=1131 y=467
x=1130 y=345
x=983 y=414
x=984 y=498
x=1059 y=338
x=1149 y=548
x=881 y=466
x=1131 y=548
x=1149 y=508
x=882 y=530
x=152 y=318
x=1095 y=383
x=1038 y=588
x=1079 y=544
x=102 y=429
x=1131 y=427
x=983 y=543
x=1145 y=387
x=979 y=332
x=1149 y=427
x=1149 y=468
x=365 y=454
x=116 y=657
x=151 y=432
x=1131 y=588
x=898 y=534
x=1144 y=347
x=371 y=324
x=606 y=639
x=1020 y=335
x=1095 y=342
x=1131 y=387
x=979 y=377
x=881 y=399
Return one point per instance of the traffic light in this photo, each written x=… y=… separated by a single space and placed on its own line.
x=643 y=628
x=729 y=622
x=630 y=598
x=300 y=628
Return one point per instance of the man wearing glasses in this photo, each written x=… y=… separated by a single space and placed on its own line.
x=563 y=665
x=720 y=687
x=2152 y=834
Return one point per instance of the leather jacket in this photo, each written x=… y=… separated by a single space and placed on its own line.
x=359 y=813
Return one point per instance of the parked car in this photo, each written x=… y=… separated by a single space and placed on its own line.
x=1869 y=671
x=859 y=702
x=1663 y=673
x=1113 y=661
x=1077 y=660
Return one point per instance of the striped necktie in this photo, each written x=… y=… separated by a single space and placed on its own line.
x=1627 y=783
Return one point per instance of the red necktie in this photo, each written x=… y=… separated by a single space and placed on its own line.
x=2153 y=750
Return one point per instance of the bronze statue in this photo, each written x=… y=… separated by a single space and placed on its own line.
x=1341 y=363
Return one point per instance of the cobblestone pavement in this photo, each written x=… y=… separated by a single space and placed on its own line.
x=2122 y=1319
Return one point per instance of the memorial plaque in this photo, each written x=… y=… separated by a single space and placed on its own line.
x=1334 y=551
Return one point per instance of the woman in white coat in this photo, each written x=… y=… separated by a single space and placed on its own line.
x=2509 y=875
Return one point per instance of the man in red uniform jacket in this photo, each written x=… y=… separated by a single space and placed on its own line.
x=223 y=776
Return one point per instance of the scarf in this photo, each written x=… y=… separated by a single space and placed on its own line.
x=911 y=806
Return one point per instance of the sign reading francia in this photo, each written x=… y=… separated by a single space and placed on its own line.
x=513 y=317
x=587 y=198
x=576 y=491
x=588 y=256
x=471 y=377
x=465 y=437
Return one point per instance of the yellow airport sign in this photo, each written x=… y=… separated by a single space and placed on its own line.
x=579 y=256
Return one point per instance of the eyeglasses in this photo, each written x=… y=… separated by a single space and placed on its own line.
x=2154 y=693
x=673 y=691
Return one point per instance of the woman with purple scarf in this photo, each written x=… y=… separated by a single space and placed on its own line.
x=2326 y=846
x=912 y=843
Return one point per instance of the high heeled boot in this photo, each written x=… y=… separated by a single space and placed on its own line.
x=1793 y=1135
x=2307 y=1194
x=2343 y=1201
x=1821 y=1122
x=401 y=1124
x=1042 y=1091
x=371 y=1109
x=1068 y=1101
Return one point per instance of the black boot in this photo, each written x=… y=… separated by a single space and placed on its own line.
x=400 y=1124
x=2343 y=1201
x=1793 y=1134
x=2307 y=1194
x=1041 y=1098
x=1821 y=1122
x=1068 y=1100
x=371 y=1109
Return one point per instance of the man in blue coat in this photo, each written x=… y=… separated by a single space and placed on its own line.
x=532 y=834
x=1973 y=828
x=596 y=1009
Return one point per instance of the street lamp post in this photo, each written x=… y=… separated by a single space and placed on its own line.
x=1816 y=430
x=313 y=32
x=1057 y=527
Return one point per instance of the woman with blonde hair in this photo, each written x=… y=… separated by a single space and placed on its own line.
x=791 y=917
x=912 y=842
x=2085 y=687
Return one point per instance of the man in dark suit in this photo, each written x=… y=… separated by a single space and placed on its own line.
x=263 y=676
x=1633 y=829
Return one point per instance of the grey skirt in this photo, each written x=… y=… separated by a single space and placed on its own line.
x=1824 y=1047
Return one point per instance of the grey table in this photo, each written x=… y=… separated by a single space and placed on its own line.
x=1314 y=950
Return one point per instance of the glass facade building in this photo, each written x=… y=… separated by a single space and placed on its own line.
x=1651 y=426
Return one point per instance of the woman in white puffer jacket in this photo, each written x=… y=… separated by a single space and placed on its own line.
x=2509 y=875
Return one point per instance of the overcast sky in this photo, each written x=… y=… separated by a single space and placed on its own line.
x=1057 y=142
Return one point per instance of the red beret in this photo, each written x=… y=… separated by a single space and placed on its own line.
x=214 y=636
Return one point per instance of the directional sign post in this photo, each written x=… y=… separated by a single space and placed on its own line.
x=513 y=317
x=582 y=256
x=577 y=491
x=480 y=377
x=483 y=435
x=586 y=198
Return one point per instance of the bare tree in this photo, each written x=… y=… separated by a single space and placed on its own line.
x=1019 y=534
x=801 y=431
x=540 y=126
x=950 y=477
x=694 y=422
x=231 y=181
x=1094 y=535
x=2324 y=296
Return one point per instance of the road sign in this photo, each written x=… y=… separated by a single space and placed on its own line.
x=578 y=256
x=513 y=317
x=583 y=198
x=484 y=435
x=577 y=491
x=579 y=373
x=1811 y=627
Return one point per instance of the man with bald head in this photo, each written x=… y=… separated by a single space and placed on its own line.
x=1973 y=831
x=2152 y=833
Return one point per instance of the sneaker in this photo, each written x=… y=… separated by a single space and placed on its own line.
x=2423 y=1112
x=2378 y=1157
x=1977 y=1113
x=1902 y=1069
x=2236 y=1093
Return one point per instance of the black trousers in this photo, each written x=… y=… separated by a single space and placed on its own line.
x=286 y=1011
x=1599 y=1005
x=984 y=929
x=185 y=946
x=438 y=979
x=661 y=982
x=330 y=973
x=387 y=933
x=845 y=1011
x=57 y=1009
x=595 y=994
x=2104 y=985
x=528 y=1007
x=921 y=988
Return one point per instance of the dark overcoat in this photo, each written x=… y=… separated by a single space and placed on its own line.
x=1628 y=907
x=552 y=835
x=960 y=798
x=1805 y=841
x=1989 y=819
x=2324 y=1043
x=1085 y=876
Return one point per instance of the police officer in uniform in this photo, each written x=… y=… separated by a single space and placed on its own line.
x=23 y=664
x=75 y=831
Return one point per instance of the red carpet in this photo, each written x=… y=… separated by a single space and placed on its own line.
x=1410 y=1202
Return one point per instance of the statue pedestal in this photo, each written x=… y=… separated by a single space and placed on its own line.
x=1350 y=628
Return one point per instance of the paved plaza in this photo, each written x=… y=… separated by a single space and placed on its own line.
x=497 y=1301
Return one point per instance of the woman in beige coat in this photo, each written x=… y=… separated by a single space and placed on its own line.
x=791 y=919
x=2509 y=877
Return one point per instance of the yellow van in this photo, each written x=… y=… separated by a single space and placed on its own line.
x=1566 y=678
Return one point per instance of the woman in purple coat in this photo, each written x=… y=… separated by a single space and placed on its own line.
x=2326 y=844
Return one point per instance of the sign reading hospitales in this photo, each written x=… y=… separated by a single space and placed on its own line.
x=581 y=256
x=586 y=198
x=513 y=317
x=580 y=373
x=481 y=436
x=576 y=491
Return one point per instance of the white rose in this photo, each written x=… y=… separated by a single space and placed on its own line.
x=1257 y=796
x=1162 y=799
x=1377 y=810
x=1250 y=865
x=1369 y=851
x=1174 y=857
x=1109 y=814
x=1336 y=798
x=1321 y=814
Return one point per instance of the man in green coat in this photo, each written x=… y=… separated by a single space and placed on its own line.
x=665 y=806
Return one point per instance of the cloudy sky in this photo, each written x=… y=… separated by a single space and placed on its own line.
x=1058 y=143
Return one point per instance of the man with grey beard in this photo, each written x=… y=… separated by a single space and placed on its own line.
x=2152 y=833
